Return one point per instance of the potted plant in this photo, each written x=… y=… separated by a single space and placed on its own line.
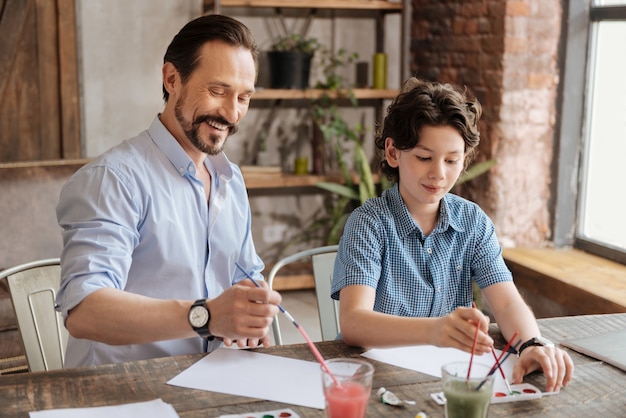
x=290 y=61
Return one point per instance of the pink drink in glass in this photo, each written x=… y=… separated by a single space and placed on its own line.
x=346 y=401
x=347 y=386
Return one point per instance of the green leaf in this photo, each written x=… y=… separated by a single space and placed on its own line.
x=476 y=170
x=343 y=166
x=336 y=230
x=365 y=174
x=339 y=189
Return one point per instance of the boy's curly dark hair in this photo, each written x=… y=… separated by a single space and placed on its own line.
x=422 y=103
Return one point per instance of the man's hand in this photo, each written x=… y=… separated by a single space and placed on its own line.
x=249 y=343
x=244 y=313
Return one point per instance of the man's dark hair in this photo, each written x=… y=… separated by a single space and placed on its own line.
x=184 y=50
x=423 y=103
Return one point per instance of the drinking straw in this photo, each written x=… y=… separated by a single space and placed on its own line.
x=499 y=363
x=314 y=349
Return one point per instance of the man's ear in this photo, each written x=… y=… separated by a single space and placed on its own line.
x=391 y=152
x=171 y=78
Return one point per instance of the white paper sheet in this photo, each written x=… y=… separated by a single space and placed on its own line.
x=156 y=408
x=256 y=375
x=429 y=359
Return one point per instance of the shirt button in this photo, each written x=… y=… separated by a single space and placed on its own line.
x=459 y=267
x=439 y=289
x=181 y=170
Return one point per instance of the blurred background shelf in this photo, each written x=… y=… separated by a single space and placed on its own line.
x=310 y=4
x=294 y=94
x=257 y=177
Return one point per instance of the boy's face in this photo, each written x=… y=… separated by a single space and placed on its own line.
x=430 y=170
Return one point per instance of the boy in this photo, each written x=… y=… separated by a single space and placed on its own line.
x=407 y=259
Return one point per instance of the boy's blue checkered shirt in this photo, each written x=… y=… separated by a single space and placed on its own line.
x=416 y=275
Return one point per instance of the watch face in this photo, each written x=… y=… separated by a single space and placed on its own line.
x=198 y=316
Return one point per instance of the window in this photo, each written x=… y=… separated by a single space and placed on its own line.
x=593 y=131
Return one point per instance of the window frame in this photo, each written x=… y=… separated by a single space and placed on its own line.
x=578 y=17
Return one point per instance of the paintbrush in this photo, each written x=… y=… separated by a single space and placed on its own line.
x=500 y=361
x=312 y=346
x=469 y=369
x=506 y=382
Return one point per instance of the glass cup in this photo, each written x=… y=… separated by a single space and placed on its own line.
x=463 y=398
x=348 y=397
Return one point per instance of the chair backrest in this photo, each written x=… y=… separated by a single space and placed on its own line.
x=323 y=266
x=323 y=259
x=33 y=287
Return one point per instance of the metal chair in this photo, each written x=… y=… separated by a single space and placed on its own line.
x=323 y=259
x=33 y=288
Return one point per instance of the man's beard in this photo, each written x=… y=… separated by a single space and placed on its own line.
x=192 y=129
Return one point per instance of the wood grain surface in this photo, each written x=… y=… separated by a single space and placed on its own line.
x=597 y=390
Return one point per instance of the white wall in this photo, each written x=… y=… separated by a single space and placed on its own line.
x=121 y=48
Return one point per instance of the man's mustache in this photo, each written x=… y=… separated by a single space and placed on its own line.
x=232 y=128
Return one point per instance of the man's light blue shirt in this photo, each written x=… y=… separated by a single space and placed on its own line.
x=137 y=219
x=416 y=275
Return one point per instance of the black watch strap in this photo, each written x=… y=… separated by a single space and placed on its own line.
x=535 y=341
x=202 y=330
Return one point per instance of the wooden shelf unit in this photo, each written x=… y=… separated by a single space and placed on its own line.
x=255 y=177
x=379 y=6
x=309 y=94
x=259 y=180
x=310 y=4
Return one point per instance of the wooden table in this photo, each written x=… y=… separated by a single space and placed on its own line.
x=598 y=389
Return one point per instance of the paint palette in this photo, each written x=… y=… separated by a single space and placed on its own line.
x=278 y=413
x=521 y=392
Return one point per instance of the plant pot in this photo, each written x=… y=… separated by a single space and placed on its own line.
x=289 y=70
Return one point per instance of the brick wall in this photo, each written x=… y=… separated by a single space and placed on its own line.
x=506 y=53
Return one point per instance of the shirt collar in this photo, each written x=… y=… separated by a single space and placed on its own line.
x=447 y=218
x=165 y=141
x=406 y=223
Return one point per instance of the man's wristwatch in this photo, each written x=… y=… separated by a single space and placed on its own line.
x=540 y=341
x=199 y=317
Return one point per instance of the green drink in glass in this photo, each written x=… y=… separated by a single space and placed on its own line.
x=463 y=400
